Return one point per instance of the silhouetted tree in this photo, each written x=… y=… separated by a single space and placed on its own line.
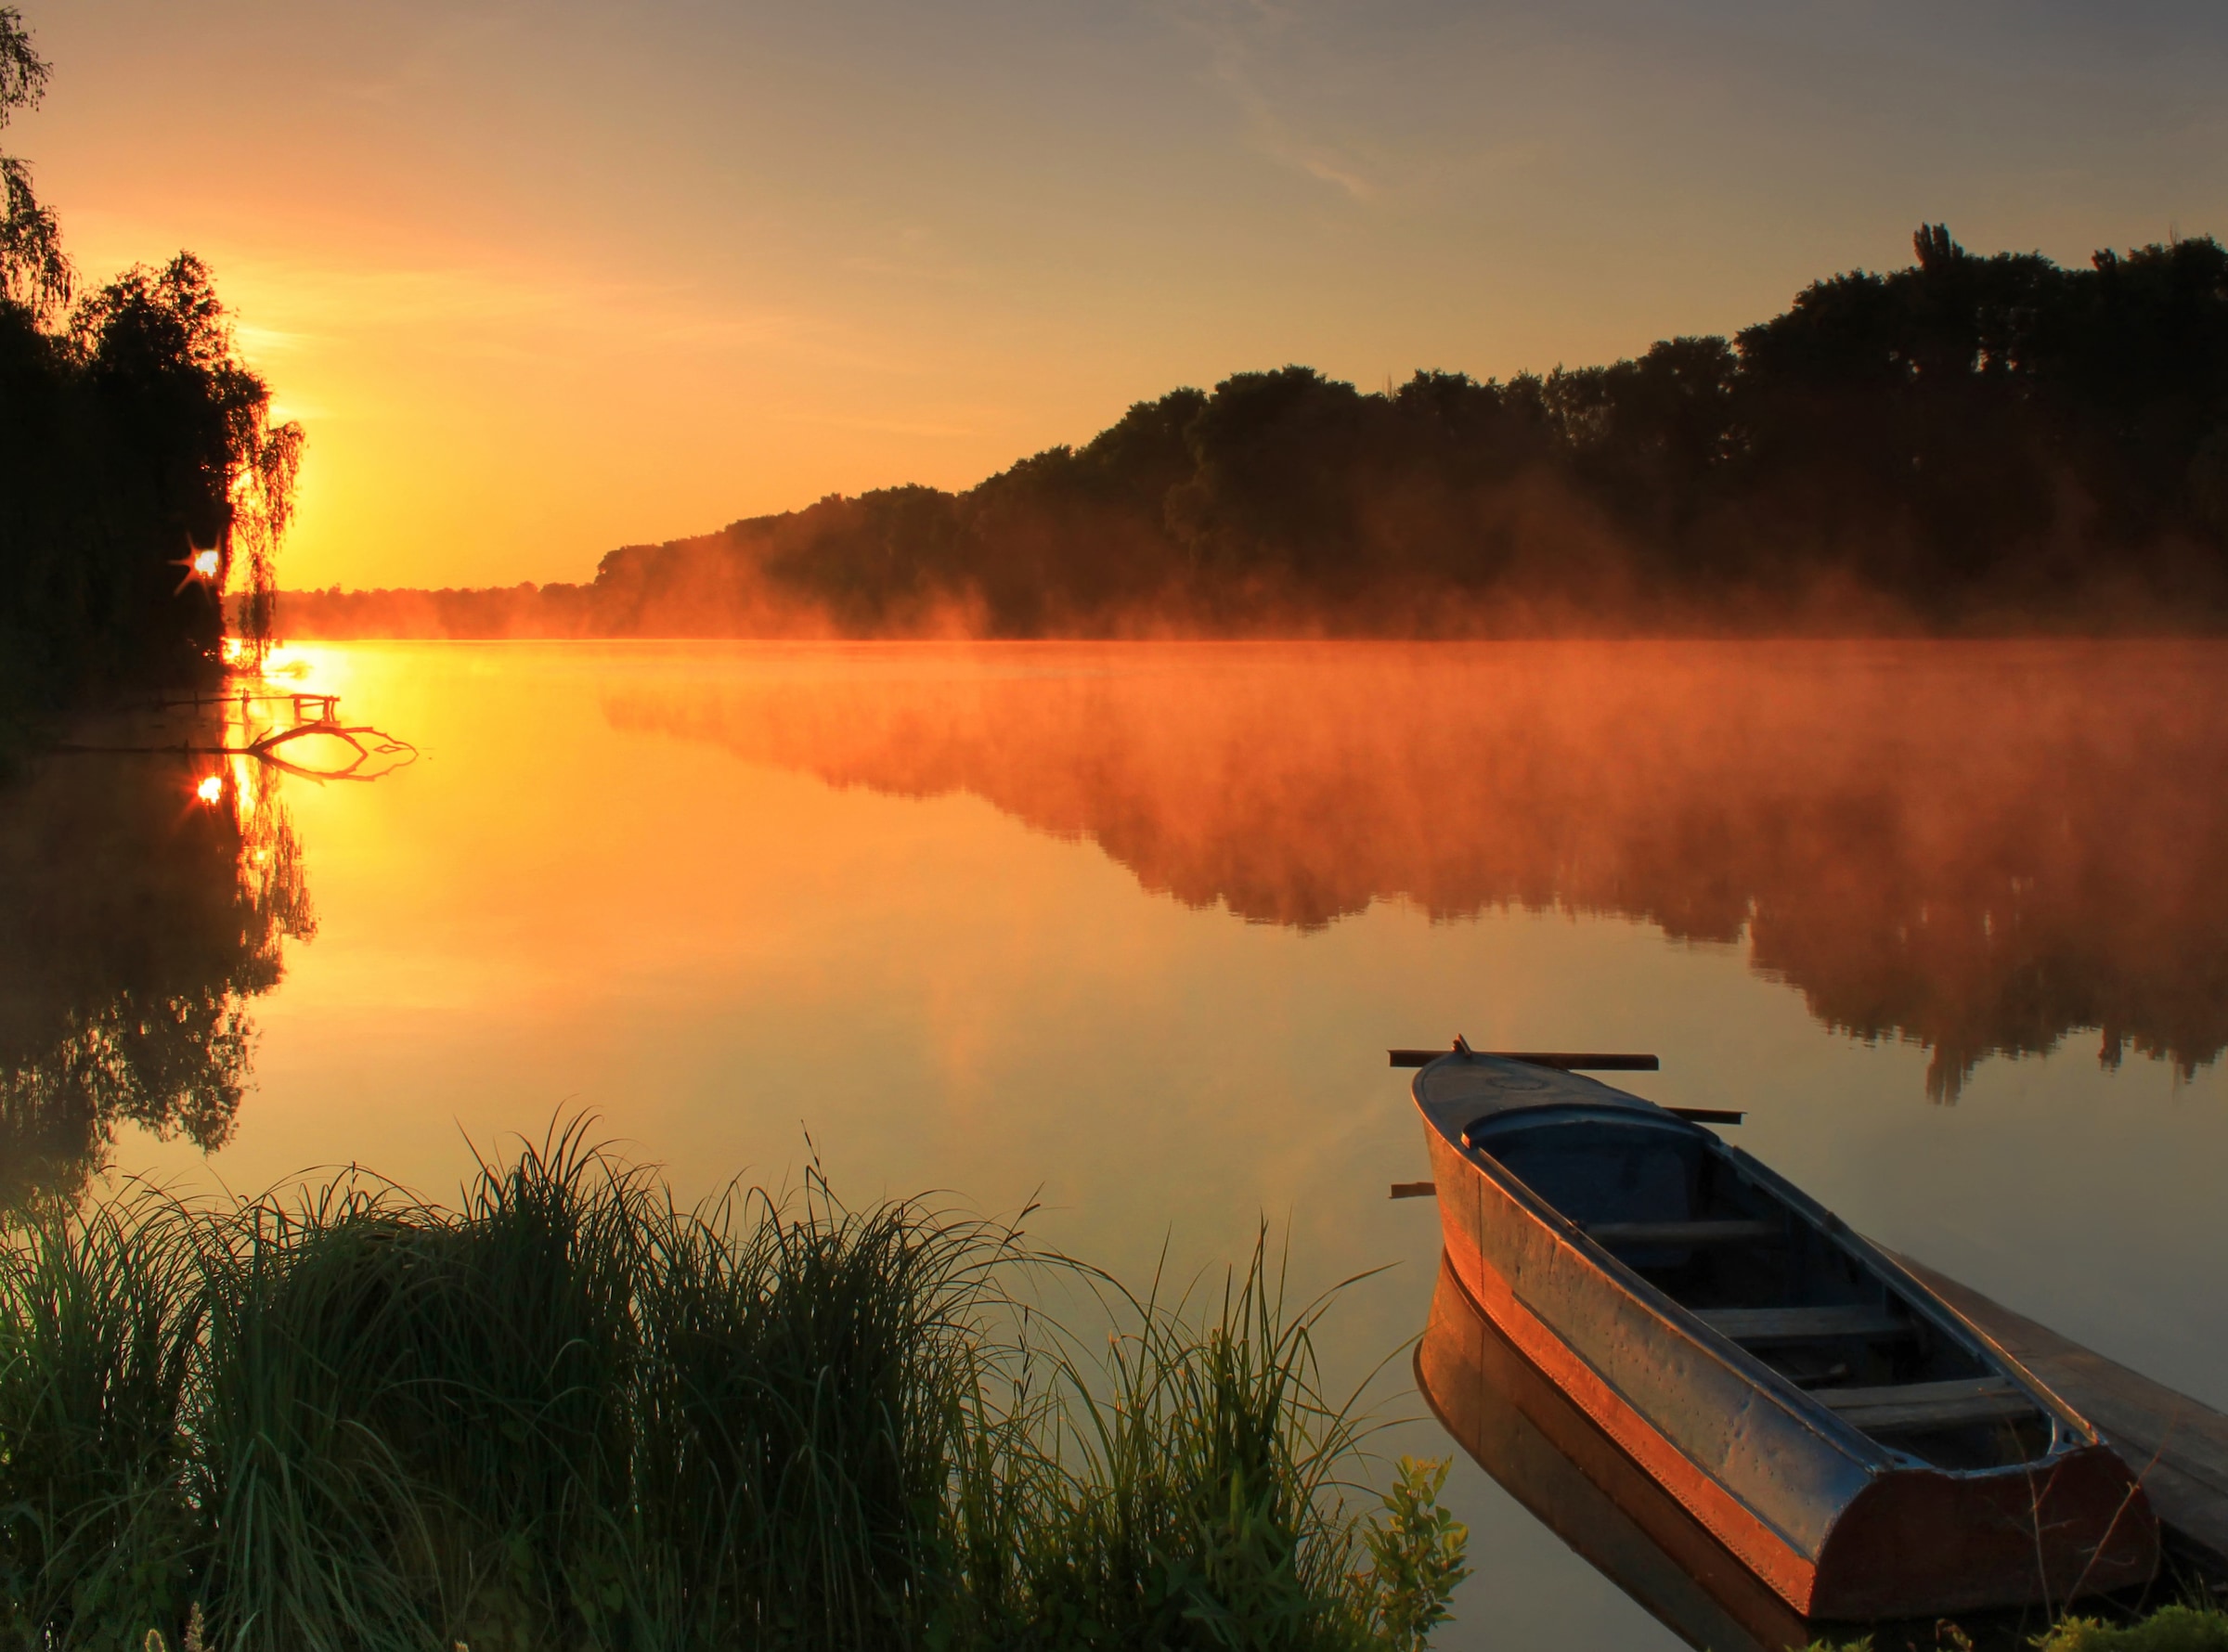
x=138 y=462
x=1966 y=437
x=35 y=274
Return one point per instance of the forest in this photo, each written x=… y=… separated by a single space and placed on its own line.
x=138 y=463
x=1995 y=443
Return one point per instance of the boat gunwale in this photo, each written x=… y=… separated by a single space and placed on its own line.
x=2069 y=1431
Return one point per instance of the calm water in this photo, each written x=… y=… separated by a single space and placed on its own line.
x=1127 y=929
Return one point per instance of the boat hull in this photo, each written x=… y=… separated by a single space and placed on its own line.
x=1809 y=1506
x=1549 y=1455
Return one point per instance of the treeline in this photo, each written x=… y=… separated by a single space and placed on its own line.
x=1968 y=440
x=137 y=461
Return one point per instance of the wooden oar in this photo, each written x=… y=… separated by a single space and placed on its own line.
x=1573 y=1061
x=1569 y=1060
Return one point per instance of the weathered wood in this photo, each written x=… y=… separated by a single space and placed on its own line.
x=1683 y=1232
x=1921 y=1416
x=1803 y=1324
x=1962 y=1387
x=2176 y=1446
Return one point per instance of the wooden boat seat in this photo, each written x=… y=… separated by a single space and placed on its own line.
x=1683 y=1232
x=1805 y=1325
x=1912 y=1406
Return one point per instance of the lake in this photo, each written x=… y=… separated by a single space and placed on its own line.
x=1126 y=930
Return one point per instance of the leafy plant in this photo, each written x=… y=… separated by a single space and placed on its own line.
x=1418 y=1549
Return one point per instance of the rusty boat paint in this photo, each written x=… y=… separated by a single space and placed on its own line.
x=1839 y=1494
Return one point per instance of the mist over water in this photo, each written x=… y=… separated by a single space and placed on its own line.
x=1126 y=929
x=1979 y=848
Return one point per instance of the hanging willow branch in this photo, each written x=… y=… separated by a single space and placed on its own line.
x=33 y=271
x=268 y=462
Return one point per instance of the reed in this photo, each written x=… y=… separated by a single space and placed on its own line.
x=569 y=1412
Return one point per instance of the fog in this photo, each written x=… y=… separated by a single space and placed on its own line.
x=1983 y=847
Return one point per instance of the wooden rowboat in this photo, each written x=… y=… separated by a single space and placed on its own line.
x=1858 y=1446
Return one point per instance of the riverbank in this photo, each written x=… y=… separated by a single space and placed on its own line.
x=569 y=1412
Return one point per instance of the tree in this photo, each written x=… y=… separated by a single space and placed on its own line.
x=140 y=470
x=33 y=271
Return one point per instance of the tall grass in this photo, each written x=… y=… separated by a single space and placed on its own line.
x=570 y=1413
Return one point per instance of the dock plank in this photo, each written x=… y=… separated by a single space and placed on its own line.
x=2176 y=1445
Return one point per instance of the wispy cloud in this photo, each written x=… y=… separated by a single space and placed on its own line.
x=1241 y=36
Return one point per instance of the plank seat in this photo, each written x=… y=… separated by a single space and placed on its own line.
x=1805 y=1325
x=1906 y=1407
x=1731 y=1231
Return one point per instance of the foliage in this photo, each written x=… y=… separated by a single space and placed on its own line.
x=571 y=1413
x=1196 y=1467
x=35 y=274
x=1967 y=437
x=2170 y=1628
x=1419 y=1554
x=2180 y=1628
x=1969 y=442
x=132 y=441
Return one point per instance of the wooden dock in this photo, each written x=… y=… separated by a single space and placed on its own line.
x=2176 y=1445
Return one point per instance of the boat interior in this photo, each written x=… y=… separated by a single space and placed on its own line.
x=1670 y=1202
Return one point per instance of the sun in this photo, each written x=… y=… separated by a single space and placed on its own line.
x=210 y=789
x=206 y=566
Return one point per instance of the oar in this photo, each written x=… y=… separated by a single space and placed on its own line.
x=1568 y=1061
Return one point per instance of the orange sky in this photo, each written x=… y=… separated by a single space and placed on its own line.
x=545 y=279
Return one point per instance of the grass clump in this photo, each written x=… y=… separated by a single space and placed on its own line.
x=570 y=1413
x=2170 y=1628
x=2183 y=1627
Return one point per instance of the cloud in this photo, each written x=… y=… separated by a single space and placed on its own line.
x=1240 y=36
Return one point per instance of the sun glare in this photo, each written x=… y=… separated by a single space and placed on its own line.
x=204 y=563
x=210 y=789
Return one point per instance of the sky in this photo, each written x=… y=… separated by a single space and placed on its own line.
x=544 y=279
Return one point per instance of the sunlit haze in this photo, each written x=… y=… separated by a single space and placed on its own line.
x=542 y=280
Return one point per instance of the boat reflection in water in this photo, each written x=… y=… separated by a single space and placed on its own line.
x=1549 y=1455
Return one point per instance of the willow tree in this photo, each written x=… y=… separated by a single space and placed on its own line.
x=34 y=272
x=140 y=468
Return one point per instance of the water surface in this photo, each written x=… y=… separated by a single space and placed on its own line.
x=1126 y=929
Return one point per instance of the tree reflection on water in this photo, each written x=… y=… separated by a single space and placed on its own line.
x=138 y=915
x=1981 y=848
